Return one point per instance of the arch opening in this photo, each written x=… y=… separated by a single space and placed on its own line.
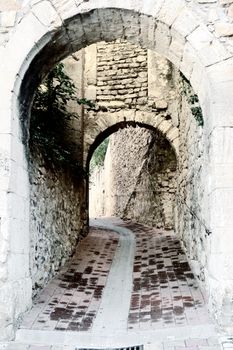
x=78 y=33
x=135 y=178
x=150 y=96
x=140 y=101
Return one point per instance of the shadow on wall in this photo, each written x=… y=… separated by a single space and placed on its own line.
x=137 y=179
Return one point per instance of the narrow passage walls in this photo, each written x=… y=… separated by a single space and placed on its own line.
x=55 y=219
x=154 y=95
x=138 y=180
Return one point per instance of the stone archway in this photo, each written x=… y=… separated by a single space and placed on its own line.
x=137 y=178
x=174 y=30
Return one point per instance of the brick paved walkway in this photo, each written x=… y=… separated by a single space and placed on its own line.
x=167 y=309
x=165 y=292
x=71 y=300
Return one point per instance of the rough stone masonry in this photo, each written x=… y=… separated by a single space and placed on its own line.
x=196 y=36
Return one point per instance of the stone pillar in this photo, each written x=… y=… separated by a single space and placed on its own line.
x=220 y=184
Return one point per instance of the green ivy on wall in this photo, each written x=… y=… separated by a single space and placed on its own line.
x=50 y=116
x=192 y=100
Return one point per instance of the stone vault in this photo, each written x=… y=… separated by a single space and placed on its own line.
x=194 y=36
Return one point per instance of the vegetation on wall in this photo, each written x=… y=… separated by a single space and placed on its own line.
x=50 y=116
x=99 y=154
x=192 y=100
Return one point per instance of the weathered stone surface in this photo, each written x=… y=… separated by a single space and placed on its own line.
x=225 y=2
x=230 y=11
x=224 y=29
x=55 y=222
x=214 y=89
x=125 y=182
x=122 y=67
x=10 y=5
x=138 y=179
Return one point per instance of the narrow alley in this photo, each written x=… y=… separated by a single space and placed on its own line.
x=126 y=285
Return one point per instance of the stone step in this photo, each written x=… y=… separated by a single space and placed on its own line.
x=115 y=339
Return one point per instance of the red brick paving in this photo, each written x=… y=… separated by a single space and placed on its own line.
x=71 y=300
x=165 y=293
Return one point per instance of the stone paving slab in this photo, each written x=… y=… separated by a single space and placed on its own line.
x=210 y=343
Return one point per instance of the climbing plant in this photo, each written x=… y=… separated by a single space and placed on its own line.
x=50 y=116
x=192 y=100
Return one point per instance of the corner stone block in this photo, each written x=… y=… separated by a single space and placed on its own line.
x=6 y=120
x=23 y=40
x=46 y=13
x=200 y=37
x=16 y=202
x=151 y=7
x=224 y=29
x=162 y=38
x=197 y=75
x=220 y=266
x=221 y=72
x=18 y=266
x=4 y=210
x=8 y=18
x=213 y=52
x=170 y=11
x=9 y=5
x=19 y=236
x=188 y=60
x=221 y=176
x=7 y=174
x=164 y=126
x=129 y=115
x=172 y=134
x=221 y=240
x=176 y=49
x=221 y=208
x=221 y=146
x=111 y=22
x=20 y=182
x=68 y=8
x=147 y=30
x=221 y=112
x=185 y=23
x=145 y=117
x=22 y=295
x=92 y=28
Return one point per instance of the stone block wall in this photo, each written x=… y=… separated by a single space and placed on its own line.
x=131 y=84
x=190 y=222
x=167 y=95
x=55 y=219
x=195 y=35
x=138 y=180
x=56 y=193
x=122 y=77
